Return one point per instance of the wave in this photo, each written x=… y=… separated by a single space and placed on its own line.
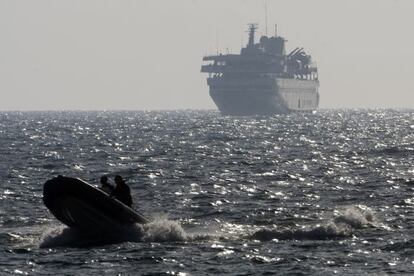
x=342 y=226
x=399 y=150
x=357 y=217
x=405 y=246
x=160 y=230
x=10 y=238
x=330 y=231
x=163 y=231
x=409 y=181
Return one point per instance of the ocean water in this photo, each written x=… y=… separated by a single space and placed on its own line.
x=299 y=194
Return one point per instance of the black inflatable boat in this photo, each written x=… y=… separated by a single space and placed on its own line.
x=80 y=205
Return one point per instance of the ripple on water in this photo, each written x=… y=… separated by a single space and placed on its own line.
x=296 y=193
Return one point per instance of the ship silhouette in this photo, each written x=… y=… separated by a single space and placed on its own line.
x=262 y=79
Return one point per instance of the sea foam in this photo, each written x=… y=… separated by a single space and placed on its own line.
x=343 y=225
x=159 y=230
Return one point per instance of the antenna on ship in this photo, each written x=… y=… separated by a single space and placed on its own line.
x=217 y=41
x=266 y=15
x=275 y=30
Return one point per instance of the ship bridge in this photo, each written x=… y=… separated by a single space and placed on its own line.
x=266 y=57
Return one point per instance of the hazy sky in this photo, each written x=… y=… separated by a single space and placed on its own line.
x=146 y=54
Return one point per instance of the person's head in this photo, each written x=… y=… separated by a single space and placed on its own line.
x=104 y=180
x=118 y=179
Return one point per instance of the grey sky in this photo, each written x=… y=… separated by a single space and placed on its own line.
x=146 y=54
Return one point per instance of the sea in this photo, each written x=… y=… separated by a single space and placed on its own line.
x=325 y=193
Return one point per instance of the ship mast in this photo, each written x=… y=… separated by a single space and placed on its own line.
x=252 y=29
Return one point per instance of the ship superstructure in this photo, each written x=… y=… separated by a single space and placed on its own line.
x=262 y=79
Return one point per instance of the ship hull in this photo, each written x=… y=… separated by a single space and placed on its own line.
x=263 y=96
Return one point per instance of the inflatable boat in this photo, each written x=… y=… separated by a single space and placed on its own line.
x=80 y=205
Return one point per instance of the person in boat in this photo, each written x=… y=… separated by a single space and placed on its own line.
x=122 y=192
x=106 y=187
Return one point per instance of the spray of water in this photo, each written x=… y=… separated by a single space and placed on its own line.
x=160 y=230
x=356 y=217
x=343 y=225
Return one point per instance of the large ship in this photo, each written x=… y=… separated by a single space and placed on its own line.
x=262 y=79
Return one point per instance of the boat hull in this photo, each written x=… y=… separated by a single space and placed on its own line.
x=80 y=205
x=263 y=96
